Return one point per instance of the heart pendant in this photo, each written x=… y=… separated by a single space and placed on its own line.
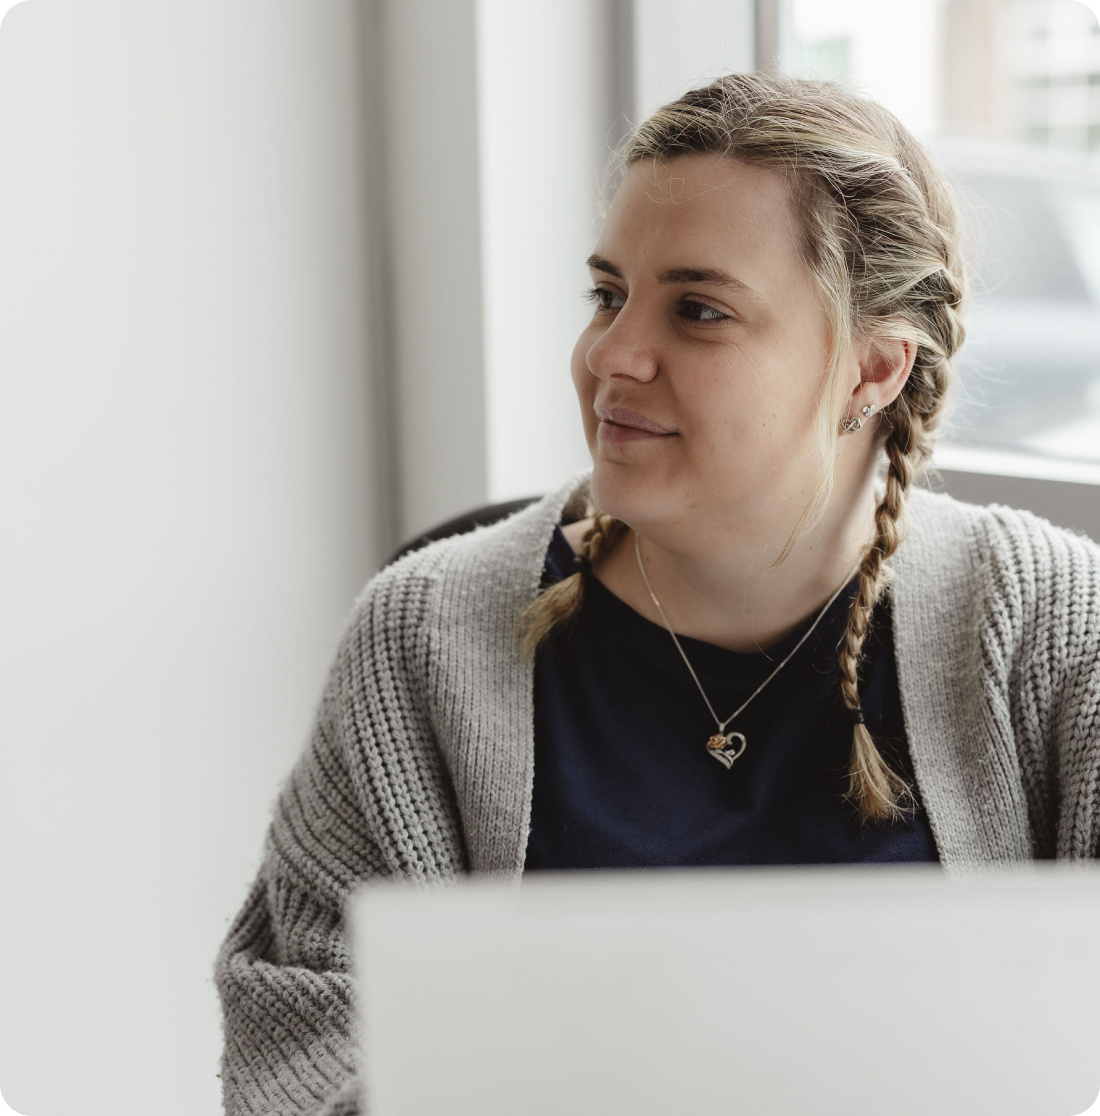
x=724 y=750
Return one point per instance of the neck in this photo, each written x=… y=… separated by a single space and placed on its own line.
x=719 y=593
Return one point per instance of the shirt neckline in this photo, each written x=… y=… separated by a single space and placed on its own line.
x=619 y=627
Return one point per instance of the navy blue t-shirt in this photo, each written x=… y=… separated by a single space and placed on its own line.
x=622 y=774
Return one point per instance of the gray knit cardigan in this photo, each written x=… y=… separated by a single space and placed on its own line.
x=420 y=762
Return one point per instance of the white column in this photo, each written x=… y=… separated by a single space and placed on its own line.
x=681 y=44
x=425 y=90
x=547 y=116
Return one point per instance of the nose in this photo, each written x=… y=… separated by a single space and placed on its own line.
x=625 y=348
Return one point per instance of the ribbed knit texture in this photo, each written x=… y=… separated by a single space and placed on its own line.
x=420 y=763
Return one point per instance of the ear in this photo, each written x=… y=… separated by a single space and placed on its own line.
x=884 y=366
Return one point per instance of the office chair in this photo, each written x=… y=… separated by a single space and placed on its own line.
x=479 y=517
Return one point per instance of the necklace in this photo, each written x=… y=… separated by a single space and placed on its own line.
x=721 y=745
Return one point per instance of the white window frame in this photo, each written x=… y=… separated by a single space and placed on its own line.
x=1065 y=492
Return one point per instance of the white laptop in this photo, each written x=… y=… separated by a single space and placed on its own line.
x=789 y=992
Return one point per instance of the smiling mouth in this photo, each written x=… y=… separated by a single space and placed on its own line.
x=618 y=433
x=625 y=419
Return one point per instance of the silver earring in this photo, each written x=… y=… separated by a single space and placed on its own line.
x=851 y=425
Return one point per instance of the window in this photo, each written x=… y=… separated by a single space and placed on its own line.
x=1006 y=93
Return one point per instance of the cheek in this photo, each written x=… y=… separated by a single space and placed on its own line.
x=727 y=404
x=751 y=412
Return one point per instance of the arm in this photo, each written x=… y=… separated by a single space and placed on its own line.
x=369 y=797
x=1077 y=717
x=1053 y=615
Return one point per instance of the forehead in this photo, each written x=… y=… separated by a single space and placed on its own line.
x=706 y=210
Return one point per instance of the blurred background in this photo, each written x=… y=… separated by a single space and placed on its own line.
x=1007 y=93
x=286 y=282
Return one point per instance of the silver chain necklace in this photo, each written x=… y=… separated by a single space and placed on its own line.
x=721 y=744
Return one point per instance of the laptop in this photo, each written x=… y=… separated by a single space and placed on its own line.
x=770 y=992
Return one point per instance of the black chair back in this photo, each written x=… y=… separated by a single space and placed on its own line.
x=479 y=517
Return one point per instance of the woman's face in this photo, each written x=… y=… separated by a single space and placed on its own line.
x=706 y=324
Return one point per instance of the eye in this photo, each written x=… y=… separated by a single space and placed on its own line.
x=603 y=298
x=700 y=312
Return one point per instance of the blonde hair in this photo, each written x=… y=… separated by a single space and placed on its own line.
x=880 y=236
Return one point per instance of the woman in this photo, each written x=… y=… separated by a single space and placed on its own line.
x=734 y=642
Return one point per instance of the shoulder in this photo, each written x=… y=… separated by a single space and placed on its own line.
x=1032 y=577
x=439 y=616
x=1017 y=541
x=484 y=574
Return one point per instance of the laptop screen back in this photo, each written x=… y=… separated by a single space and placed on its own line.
x=854 y=991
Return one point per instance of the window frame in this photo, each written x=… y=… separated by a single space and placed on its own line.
x=1065 y=492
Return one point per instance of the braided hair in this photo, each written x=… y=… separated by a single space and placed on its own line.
x=556 y=605
x=880 y=234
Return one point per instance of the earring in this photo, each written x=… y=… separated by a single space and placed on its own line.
x=851 y=425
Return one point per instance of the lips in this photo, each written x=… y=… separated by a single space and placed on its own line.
x=623 y=416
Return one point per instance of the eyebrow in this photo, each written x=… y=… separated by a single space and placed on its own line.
x=715 y=276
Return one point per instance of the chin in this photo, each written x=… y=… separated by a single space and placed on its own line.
x=630 y=494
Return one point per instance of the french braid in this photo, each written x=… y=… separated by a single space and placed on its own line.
x=876 y=791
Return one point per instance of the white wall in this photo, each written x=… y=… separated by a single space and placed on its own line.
x=188 y=493
x=547 y=107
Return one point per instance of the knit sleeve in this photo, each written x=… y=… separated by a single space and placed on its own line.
x=1077 y=712
x=369 y=797
x=1050 y=598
